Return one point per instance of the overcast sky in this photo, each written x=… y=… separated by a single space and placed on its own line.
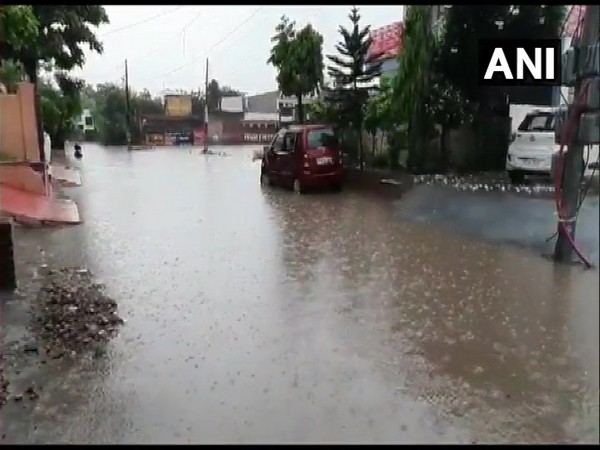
x=167 y=46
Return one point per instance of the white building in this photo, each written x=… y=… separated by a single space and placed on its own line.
x=85 y=122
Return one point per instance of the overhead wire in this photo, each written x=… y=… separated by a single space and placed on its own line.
x=120 y=66
x=158 y=48
x=239 y=64
x=227 y=36
x=156 y=16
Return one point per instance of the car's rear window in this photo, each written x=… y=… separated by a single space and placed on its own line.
x=538 y=122
x=315 y=137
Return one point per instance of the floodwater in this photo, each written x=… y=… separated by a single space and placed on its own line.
x=256 y=315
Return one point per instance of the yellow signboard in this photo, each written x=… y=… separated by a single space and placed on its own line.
x=178 y=105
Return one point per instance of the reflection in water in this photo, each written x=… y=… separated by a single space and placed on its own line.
x=256 y=315
x=487 y=327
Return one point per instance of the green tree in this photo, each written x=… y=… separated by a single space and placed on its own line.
x=466 y=25
x=445 y=106
x=143 y=103
x=351 y=70
x=228 y=91
x=110 y=116
x=379 y=116
x=63 y=32
x=412 y=81
x=298 y=58
x=19 y=27
x=214 y=96
x=11 y=73
x=60 y=102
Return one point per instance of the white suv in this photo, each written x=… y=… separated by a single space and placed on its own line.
x=533 y=145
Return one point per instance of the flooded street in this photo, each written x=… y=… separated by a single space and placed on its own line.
x=257 y=315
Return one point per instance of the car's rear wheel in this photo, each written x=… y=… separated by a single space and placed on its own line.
x=516 y=176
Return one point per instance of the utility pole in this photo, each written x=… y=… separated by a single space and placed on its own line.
x=206 y=109
x=127 y=110
x=573 y=163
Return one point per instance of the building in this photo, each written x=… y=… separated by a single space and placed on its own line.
x=264 y=115
x=159 y=130
x=176 y=126
x=85 y=122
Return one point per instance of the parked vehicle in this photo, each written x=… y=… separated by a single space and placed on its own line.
x=47 y=147
x=303 y=157
x=533 y=146
x=78 y=153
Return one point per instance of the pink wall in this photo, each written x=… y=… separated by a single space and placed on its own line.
x=18 y=128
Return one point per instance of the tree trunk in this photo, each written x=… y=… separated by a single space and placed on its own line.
x=413 y=162
x=300 y=109
x=361 y=150
x=373 y=144
x=444 y=150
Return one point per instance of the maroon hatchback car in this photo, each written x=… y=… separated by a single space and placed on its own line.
x=303 y=157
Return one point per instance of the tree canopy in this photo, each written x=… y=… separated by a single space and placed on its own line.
x=19 y=27
x=63 y=31
x=298 y=58
x=466 y=25
x=352 y=68
x=60 y=103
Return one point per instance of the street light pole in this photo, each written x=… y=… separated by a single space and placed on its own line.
x=573 y=163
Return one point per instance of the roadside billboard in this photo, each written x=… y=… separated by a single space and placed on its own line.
x=386 y=41
x=232 y=104
x=178 y=105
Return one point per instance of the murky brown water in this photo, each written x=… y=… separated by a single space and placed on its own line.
x=261 y=316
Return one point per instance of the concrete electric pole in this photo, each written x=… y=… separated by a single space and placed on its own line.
x=573 y=163
x=127 y=106
x=206 y=110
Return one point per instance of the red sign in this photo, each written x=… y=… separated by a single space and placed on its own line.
x=386 y=41
x=199 y=137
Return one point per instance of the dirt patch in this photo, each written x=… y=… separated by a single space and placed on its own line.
x=75 y=315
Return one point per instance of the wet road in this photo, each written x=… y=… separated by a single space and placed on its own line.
x=260 y=316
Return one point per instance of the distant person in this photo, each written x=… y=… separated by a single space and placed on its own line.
x=78 y=153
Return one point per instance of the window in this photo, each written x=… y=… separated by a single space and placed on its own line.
x=315 y=138
x=278 y=142
x=80 y=126
x=289 y=142
x=89 y=121
x=538 y=122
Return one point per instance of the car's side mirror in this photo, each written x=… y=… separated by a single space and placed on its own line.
x=266 y=148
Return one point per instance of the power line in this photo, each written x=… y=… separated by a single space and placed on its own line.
x=173 y=36
x=156 y=16
x=157 y=49
x=218 y=43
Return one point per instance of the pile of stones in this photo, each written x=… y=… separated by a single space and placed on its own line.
x=75 y=314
